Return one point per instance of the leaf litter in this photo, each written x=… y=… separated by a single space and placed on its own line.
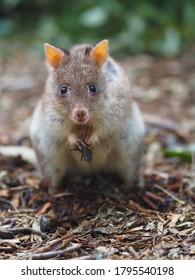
x=92 y=218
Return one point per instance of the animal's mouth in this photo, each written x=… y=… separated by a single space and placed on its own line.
x=81 y=121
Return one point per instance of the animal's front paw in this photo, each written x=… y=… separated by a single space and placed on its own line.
x=92 y=140
x=73 y=140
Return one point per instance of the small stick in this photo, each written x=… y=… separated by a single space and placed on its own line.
x=133 y=252
x=148 y=201
x=27 y=230
x=5 y=201
x=154 y=196
x=52 y=254
x=170 y=194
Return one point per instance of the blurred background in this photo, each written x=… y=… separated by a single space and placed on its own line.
x=152 y=39
x=154 y=27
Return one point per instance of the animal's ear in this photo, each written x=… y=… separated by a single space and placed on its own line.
x=100 y=52
x=54 y=55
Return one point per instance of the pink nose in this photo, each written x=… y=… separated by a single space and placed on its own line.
x=80 y=115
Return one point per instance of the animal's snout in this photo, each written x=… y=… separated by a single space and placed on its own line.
x=80 y=115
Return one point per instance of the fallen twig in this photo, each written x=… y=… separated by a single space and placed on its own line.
x=27 y=230
x=154 y=196
x=4 y=234
x=133 y=252
x=52 y=254
x=148 y=201
x=57 y=243
x=5 y=201
x=170 y=194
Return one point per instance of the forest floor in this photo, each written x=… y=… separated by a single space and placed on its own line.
x=92 y=218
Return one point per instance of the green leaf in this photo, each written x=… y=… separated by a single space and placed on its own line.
x=183 y=152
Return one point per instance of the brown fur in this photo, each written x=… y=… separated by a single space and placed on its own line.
x=113 y=127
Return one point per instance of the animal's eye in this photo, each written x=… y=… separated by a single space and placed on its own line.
x=63 y=90
x=92 y=88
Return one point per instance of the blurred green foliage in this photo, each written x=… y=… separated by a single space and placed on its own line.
x=183 y=152
x=153 y=26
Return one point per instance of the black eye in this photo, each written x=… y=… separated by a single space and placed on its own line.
x=63 y=90
x=92 y=88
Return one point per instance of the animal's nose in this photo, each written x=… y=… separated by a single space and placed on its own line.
x=80 y=115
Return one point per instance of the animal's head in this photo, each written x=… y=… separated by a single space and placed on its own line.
x=77 y=82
